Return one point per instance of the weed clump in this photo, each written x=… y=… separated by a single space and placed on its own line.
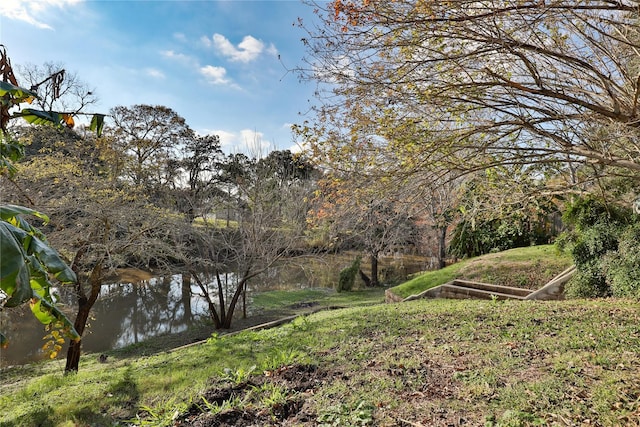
x=348 y=276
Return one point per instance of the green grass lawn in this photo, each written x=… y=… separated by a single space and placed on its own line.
x=320 y=297
x=427 y=362
x=529 y=267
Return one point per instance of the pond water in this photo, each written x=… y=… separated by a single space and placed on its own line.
x=134 y=308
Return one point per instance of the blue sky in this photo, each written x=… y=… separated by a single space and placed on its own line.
x=222 y=65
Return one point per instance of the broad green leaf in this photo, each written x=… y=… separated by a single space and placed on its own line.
x=97 y=123
x=11 y=214
x=14 y=271
x=8 y=211
x=17 y=92
x=51 y=261
x=41 y=117
x=41 y=313
x=40 y=284
x=26 y=260
x=46 y=311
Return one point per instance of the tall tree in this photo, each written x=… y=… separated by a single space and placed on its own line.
x=197 y=176
x=289 y=177
x=367 y=217
x=148 y=136
x=490 y=83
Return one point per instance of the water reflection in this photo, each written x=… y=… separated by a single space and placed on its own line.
x=144 y=309
x=129 y=311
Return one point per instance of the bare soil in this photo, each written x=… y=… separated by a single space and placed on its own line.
x=425 y=389
x=297 y=382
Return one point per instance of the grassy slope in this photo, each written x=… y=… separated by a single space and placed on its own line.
x=529 y=267
x=429 y=362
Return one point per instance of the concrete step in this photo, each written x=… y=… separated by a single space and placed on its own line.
x=463 y=289
x=465 y=292
x=492 y=288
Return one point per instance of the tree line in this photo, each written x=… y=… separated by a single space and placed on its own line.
x=148 y=192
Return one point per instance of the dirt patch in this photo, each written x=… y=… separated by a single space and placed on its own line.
x=254 y=401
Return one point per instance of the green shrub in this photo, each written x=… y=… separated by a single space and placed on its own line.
x=623 y=267
x=348 y=276
x=470 y=239
x=585 y=212
x=605 y=249
x=588 y=282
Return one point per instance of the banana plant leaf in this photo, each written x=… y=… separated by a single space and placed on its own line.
x=97 y=124
x=38 y=117
x=26 y=263
x=12 y=215
x=14 y=271
x=47 y=313
x=12 y=211
x=16 y=91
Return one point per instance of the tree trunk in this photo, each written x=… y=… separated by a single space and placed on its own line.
x=226 y=323
x=84 y=308
x=213 y=312
x=244 y=303
x=374 y=269
x=442 y=248
x=74 y=351
x=186 y=297
x=365 y=279
x=221 y=292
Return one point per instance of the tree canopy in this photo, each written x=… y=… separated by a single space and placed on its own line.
x=465 y=85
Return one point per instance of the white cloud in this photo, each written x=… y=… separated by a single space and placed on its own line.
x=178 y=57
x=272 y=50
x=157 y=74
x=246 y=51
x=30 y=10
x=247 y=141
x=227 y=139
x=205 y=41
x=215 y=75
